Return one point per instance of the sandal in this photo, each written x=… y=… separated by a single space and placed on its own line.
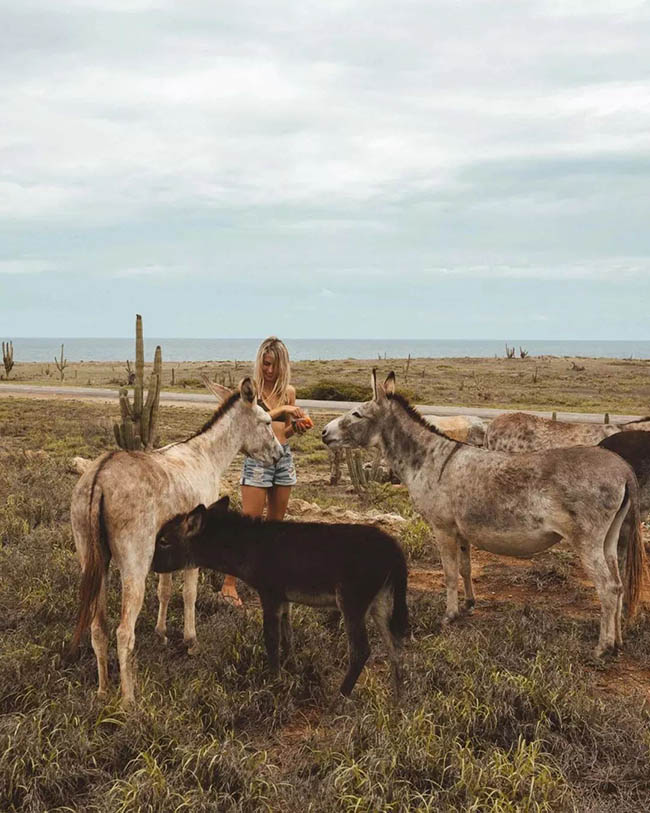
x=230 y=601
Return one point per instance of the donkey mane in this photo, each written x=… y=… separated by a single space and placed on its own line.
x=412 y=412
x=227 y=405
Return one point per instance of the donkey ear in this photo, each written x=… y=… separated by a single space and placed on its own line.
x=377 y=390
x=389 y=384
x=220 y=506
x=219 y=392
x=193 y=522
x=247 y=390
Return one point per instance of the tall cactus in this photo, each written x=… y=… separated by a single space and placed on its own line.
x=360 y=476
x=8 y=357
x=137 y=428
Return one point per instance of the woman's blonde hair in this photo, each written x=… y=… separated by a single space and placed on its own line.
x=278 y=350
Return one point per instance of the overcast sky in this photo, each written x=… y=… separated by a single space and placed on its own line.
x=459 y=169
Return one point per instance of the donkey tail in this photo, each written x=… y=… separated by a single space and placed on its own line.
x=635 y=559
x=399 y=620
x=95 y=567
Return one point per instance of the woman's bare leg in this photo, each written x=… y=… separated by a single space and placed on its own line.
x=252 y=499
x=278 y=501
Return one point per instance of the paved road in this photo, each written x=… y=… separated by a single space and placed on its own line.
x=34 y=391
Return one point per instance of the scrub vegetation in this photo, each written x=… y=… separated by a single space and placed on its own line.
x=545 y=382
x=505 y=711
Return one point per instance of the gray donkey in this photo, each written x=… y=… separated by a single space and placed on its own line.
x=511 y=504
x=523 y=432
x=123 y=498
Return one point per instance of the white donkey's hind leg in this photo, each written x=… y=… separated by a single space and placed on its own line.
x=132 y=597
x=164 y=594
x=611 y=557
x=190 y=586
x=592 y=552
x=99 y=638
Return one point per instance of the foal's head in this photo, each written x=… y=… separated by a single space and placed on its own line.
x=174 y=540
x=362 y=426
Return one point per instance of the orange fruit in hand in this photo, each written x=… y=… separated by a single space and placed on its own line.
x=304 y=423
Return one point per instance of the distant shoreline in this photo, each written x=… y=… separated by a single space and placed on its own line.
x=117 y=350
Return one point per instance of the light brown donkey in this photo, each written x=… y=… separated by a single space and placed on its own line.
x=121 y=501
x=512 y=504
x=522 y=432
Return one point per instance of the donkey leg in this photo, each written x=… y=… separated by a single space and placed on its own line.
x=132 y=599
x=190 y=587
x=286 y=633
x=621 y=527
x=271 y=611
x=448 y=547
x=593 y=558
x=99 y=638
x=358 y=648
x=466 y=573
x=164 y=594
x=381 y=611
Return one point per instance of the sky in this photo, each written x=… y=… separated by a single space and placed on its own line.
x=420 y=169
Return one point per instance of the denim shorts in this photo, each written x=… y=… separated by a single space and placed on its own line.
x=283 y=473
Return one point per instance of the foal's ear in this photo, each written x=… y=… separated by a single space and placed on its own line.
x=377 y=390
x=247 y=390
x=389 y=384
x=220 y=506
x=219 y=392
x=193 y=522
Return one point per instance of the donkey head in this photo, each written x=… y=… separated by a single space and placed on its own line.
x=362 y=426
x=254 y=424
x=174 y=541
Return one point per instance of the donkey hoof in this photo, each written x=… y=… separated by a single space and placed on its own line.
x=605 y=651
x=102 y=695
x=193 y=647
x=448 y=618
x=470 y=603
x=162 y=637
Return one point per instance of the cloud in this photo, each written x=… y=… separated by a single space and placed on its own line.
x=237 y=145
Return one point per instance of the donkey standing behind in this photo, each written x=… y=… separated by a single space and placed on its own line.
x=522 y=432
x=357 y=568
x=121 y=501
x=512 y=504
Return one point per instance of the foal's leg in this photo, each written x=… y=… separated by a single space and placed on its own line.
x=164 y=594
x=354 y=618
x=592 y=552
x=286 y=633
x=381 y=611
x=271 y=609
x=466 y=573
x=132 y=597
x=448 y=547
x=190 y=586
x=99 y=638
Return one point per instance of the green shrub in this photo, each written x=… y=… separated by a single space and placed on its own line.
x=335 y=391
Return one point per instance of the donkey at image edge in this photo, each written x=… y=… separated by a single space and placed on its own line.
x=506 y=503
x=357 y=568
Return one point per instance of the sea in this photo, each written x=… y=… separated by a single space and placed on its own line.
x=120 y=349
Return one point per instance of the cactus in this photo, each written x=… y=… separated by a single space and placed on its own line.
x=136 y=430
x=8 y=357
x=61 y=363
x=360 y=475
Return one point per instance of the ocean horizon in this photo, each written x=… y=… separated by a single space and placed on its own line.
x=30 y=349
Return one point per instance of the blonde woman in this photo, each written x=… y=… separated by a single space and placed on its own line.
x=270 y=486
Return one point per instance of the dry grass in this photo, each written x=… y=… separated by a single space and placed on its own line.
x=504 y=712
x=605 y=385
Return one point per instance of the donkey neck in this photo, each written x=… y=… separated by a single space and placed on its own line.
x=409 y=445
x=215 y=448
